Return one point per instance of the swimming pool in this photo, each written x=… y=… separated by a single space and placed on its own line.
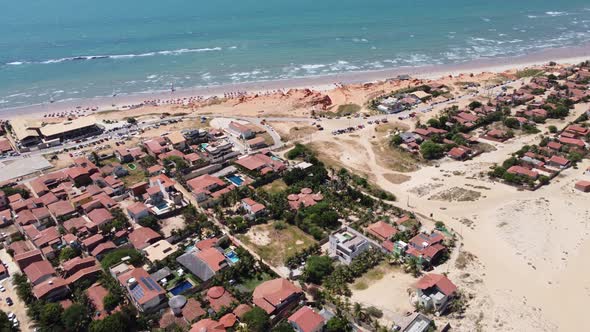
x=181 y=287
x=231 y=255
x=190 y=248
x=235 y=179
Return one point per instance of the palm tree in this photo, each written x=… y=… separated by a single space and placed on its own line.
x=395 y=258
x=413 y=266
x=357 y=311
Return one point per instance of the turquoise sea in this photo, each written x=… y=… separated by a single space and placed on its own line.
x=74 y=49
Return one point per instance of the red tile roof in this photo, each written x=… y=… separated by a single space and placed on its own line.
x=46 y=287
x=218 y=298
x=143 y=236
x=440 y=281
x=270 y=294
x=307 y=320
x=382 y=230
x=100 y=217
x=212 y=257
x=207 y=325
x=38 y=270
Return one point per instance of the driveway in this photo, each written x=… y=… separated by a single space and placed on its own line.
x=18 y=308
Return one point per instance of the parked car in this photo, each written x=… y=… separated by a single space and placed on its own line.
x=9 y=301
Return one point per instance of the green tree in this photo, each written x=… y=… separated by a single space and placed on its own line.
x=552 y=129
x=396 y=140
x=512 y=123
x=338 y=324
x=431 y=150
x=283 y=326
x=76 y=318
x=50 y=317
x=114 y=322
x=150 y=221
x=111 y=301
x=257 y=320
x=316 y=268
x=68 y=253
x=5 y=323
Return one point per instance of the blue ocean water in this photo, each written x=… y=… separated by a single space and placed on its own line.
x=74 y=49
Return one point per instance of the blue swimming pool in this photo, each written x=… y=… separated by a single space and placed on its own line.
x=181 y=287
x=232 y=256
x=235 y=179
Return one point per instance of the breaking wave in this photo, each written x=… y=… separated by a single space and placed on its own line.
x=116 y=56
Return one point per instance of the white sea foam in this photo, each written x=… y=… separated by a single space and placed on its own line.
x=556 y=13
x=120 y=56
x=531 y=16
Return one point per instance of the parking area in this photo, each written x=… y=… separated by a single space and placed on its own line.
x=18 y=307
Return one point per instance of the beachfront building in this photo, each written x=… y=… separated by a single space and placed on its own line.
x=33 y=132
x=435 y=291
x=346 y=244
x=240 y=130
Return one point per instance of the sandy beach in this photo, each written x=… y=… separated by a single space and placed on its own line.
x=570 y=55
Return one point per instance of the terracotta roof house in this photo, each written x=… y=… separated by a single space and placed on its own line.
x=519 y=170
x=241 y=310
x=435 y=291
x=306 y=198
x=142 y=237
x=62 y=210
x=20 y=247
x=207 y=325
x=182 y=316
x=572 y=141
x=559 y=162
x=306 y=320
x=219 y=298
x=100 y=217
x=274 y=295
x=137 y=211
x=583 y=186
x=47 y=237
x=145 y=293
x=6 y=218
x=38 y=272
x=76 y=264
x=103 y=249
x=51 y=290
x=228 y=320
x=554 y=146
x=382 y=230
x=458 y=153
x=89 y=273
x=426 y=247
x=260 y=163
x=96 y=294
x=203 y=263
x=81 y=226
x=253 y=207
x=25 y=259
x=93 y=241
x=155 y=170
x=206 y=187
x=240 y=130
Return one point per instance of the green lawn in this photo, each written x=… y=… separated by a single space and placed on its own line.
x=276 y=186
x=252 y=283
x=135 y=176
x=273 y=245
